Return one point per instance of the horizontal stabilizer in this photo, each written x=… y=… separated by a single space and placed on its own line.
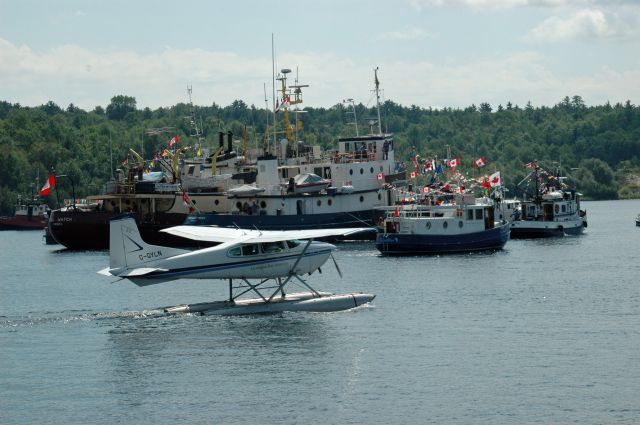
x=141 y=271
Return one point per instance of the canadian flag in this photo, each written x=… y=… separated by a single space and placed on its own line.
x=454 y=162
x=494 y=179
x=380 y=176
x=187 y=202
x=413 y=175
x=479 y=162
x=46 y=189
x=426 y=189
x=173 y=141
x=531 y=164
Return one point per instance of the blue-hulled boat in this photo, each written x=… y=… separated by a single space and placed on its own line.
x=461 y=226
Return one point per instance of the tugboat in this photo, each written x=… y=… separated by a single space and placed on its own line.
x=461 y=225
x=30 y=214
x=553 y=211
x=340 y=188
x=153 y=199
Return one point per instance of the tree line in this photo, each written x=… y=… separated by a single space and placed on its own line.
x=596 y=147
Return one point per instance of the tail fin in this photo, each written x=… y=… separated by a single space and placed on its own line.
x=127 y=250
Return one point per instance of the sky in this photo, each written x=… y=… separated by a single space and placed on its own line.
x=429 y=53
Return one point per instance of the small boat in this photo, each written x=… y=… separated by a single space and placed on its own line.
x=31 y=214
x=462 y=226
x=307 y=183
x=553 y=211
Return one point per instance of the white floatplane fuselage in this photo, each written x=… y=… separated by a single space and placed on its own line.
x=280 y=256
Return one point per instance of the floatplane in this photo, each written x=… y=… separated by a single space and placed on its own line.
x=260 y=262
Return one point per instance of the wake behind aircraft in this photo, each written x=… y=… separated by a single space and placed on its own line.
x=272 y=259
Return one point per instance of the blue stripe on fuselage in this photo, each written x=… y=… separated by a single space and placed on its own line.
x=185 y=272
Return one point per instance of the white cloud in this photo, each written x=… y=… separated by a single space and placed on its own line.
x=589 y=24
x=500 y=4
x=71 y=74
x=404 y=35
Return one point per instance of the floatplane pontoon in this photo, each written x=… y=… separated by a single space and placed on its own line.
x=260 y=262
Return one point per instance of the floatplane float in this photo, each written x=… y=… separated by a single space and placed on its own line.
x=260 y=262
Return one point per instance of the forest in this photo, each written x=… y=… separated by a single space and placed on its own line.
x=596 y=147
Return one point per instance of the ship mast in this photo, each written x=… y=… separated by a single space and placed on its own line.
x=375 y=71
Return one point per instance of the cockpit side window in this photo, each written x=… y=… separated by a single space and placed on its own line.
x=293 y=243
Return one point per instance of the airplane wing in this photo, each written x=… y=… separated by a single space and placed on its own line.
x=223 y=234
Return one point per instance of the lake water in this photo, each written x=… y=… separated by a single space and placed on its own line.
x=545 y=331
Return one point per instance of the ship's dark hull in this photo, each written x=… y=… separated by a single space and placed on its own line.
x=81 y=230
x=410 y=244
x=290 y=222
x=22 y=223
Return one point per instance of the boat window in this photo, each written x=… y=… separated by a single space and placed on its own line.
x=191 y=169
x=371 y=170
x=469 y=214
x=263 y=204
x=293 y=243
x=272 y=247
x=362 y=171
x=460 y=224
x=319 y=203
x=234 y=252
x=351 y=172
x=445 y=224
x=329 y=202
x=379 y=196
x=428 y=225
x=564 y=208
x=361 y=198
x=478 y=214
x=251 y=249
x=557 y=208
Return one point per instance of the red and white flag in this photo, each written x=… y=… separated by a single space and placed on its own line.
x=187 y=202
x=173 y=141
x=413 y=174
x=380 y=176
x=494 y=179
x=426 y=189
x=454 y=162
x=531 y=164
x=48 y=185
x=480 y=162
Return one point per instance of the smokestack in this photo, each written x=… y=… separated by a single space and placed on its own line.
x=221 y=138
x=229 y=141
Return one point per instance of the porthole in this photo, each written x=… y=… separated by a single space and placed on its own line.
x=362 y=171
x=319 y=202
x=329 y=202
x=263 y=204
x=216 y=202
x=361 y=198
x=428 y=225
x=445 y=224
x=379 y=196
x=460 y=224
x=351 y=172
x=239 y=205
x=371 y=170
x=381 y=169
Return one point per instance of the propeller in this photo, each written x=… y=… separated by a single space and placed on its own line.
x=336 y=264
